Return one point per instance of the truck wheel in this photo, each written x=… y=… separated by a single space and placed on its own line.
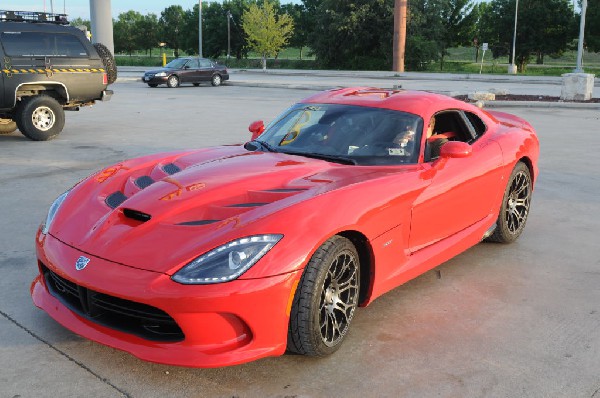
x=108 y=60
x=7 y=126
x=40 y=118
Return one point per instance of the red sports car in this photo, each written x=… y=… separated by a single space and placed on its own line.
x=224 y=255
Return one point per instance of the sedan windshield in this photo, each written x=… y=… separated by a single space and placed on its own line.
x=177 y=63
x=346 y=134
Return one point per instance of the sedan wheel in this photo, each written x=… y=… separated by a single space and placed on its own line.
x=325 y=300
x=515 y=206
x=216 y=80
x=173 y=81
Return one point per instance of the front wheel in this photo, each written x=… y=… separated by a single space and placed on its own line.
x=40 y=118
x=173 y=81
x=325 y=300
x=216 y=80
x=515 y=206
x=7 y=126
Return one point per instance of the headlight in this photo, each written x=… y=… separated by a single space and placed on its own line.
x=52 y=211
x=227 y=262
x=160 y=74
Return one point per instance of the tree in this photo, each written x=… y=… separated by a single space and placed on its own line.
x=147 y=28
x=353 y=35
x=171 y=27
x=267 y=33
x=125 y=31
x=592 y=27
x=545 y=27
x=458 y=21
x=300 y=16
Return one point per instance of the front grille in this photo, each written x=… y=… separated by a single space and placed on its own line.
x=126 y=316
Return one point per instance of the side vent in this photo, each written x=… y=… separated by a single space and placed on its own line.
x=136 y=215
x=247 y=204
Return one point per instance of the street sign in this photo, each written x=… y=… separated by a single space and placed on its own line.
x=484 y=46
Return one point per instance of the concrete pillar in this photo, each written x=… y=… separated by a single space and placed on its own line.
x=101 y=21
x=577 y=86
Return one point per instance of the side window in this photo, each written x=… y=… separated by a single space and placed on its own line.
x=39 y=44
x=452 y=125
x=193 y=64
x=205 y=63
x=478 y=125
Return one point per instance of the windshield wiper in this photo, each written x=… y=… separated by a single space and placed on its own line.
x=331 y=158
x=259 y=144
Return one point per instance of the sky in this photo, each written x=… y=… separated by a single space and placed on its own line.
x=81 y=8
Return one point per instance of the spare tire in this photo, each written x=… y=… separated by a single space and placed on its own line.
x=108 y=60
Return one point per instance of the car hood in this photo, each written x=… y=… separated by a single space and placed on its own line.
x=155 y=71
x=128 y=212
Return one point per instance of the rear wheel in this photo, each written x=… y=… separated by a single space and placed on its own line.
x=40 y=118
x=515 y=206
x=7 y=126
x=173 y=81
x=216 y=80
x=325 y=300
x=108 y=61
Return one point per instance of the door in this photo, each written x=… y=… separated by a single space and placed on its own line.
x=189 y=73
x=462 y=191
x=206 y=69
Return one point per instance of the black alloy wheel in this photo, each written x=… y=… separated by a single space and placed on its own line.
x=326 y=299
x=515 y=206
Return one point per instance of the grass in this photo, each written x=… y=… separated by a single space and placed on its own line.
x=459 y=60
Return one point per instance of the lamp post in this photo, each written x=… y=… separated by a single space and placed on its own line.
x=200 y=28
x=579 y=68
x=512 y=68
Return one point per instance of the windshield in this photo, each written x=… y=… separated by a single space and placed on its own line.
x=349 y=134
x=177 y=63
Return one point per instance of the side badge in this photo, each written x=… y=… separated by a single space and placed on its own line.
x=81 y=263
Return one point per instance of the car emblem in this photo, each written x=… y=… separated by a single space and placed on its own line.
x=81 y=263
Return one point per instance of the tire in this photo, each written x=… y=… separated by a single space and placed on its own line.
x=7 y=126
x=515 y=206
x=196 y=84
x=152 y=85
x=108 y=61
x=325 y=300
x=40 y=118
x=216 y=80
x=173 y=81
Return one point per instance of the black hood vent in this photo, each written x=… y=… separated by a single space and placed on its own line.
x=136 y=215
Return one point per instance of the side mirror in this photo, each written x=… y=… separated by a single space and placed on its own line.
x=455 y=149
x=256 y=128
x=186 y=67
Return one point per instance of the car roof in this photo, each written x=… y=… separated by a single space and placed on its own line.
x=416 y=102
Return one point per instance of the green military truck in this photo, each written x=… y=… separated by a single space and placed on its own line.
x=48 y=67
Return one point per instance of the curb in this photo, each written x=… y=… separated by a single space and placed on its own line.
x=487 y=104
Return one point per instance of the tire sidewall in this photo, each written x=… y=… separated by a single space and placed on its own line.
x=25 y=123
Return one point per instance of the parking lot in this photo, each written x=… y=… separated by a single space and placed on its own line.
x=520 y=320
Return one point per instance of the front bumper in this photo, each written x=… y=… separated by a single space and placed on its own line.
x=222 y=324
x=155 y=79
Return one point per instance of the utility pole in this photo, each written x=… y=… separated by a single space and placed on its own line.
x=200 y=28
x=579 y=68
x=512 y=68
x=228 y=34
x=400 y=9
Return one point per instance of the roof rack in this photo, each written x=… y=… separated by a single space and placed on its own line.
x=33 y=16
